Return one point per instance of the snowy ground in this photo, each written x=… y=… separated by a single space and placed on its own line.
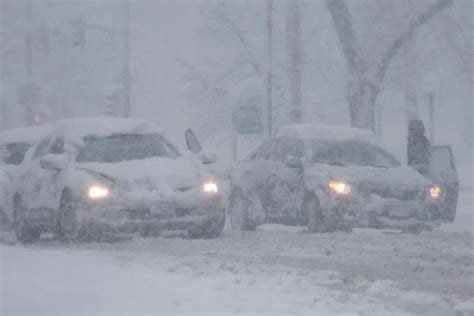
x=277 y=271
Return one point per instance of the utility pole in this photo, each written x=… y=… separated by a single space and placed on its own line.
x=3 y=101
x=126 y=58
x=29 y=70
x=26 y=92
x=269 y=74
x=431 y=101
x=293 y=48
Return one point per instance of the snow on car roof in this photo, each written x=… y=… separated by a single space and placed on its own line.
x=327 y=132
x=104 y=126
x=29 y=135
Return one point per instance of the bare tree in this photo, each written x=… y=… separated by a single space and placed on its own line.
x=366 y=76
x=126 y=59
x=269 y=70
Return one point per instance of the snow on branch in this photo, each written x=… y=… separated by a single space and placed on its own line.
x=233 y=28
x=345 y=31
x=404 y=37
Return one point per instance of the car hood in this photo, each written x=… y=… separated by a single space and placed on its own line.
x=402 y=180
x=153 y=174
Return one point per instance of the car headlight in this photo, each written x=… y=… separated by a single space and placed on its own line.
x=97 y=192
x=210 y=187
x=340 y=187
x=435 y=191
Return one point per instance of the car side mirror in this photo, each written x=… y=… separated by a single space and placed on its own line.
x=294 y=162
x=207 y=158
x=52 y=162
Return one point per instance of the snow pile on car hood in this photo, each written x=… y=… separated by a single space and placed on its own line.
x=327 y=132
x=401 y=176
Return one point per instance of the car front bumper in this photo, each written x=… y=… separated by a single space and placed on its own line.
x=193 y=215
x=377 y=212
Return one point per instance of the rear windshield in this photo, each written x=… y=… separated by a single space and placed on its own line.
x=124 y=147
x=348 y=153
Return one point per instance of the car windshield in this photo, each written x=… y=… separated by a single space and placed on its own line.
x=14 y=153
x=124 y=147
x=346 y=153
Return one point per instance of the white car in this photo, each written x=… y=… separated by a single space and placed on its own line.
x=330 y=178
x=102 y=178
x=14 y=143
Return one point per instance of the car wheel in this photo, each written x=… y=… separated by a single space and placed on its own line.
x=316 y=223
x=68 y=226
x=211 y=229
x=240 y=208
x=24 y=232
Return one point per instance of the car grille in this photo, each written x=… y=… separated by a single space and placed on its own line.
x=160 y=213
x=386 y=192
x=142 y=213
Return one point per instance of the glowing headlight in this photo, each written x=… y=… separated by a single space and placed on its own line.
x=96 y=192
x=435 y=191
x=340 y=187
x=210 y=187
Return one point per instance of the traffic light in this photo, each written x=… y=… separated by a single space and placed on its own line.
x=37 y=118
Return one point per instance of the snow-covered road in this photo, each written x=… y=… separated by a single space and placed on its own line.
x=275 y=270
x=364 y=273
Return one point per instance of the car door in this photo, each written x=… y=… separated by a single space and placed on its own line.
x=41 y=186
x=11 y=156
x=281 y=188
x=443 y=172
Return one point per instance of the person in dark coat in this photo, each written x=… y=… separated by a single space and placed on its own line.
x=419 y=147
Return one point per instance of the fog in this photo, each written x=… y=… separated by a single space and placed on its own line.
x=236 y=72
x=164 y=34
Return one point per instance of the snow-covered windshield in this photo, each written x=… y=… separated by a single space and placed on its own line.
x=347 y=153
x=124 y=147
x=13 y=153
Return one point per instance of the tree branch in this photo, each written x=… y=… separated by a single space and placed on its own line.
x=346 y=34
x=234 y=29
x=396 y=45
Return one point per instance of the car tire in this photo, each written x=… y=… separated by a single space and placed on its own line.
x=24 y=232
x=316 y=223
x=240 y=208
x=67 y=220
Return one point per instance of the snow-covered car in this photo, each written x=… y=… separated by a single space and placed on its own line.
x=102 y=178
x=329 y=178
x=14 y=143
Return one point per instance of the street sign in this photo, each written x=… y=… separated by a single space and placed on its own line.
x=248 y=120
